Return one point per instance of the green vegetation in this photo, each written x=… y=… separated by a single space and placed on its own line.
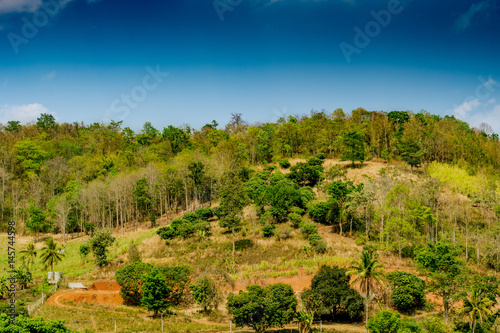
x=225 y=209
x=262 y=308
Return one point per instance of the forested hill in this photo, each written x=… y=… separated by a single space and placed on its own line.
x=68 y=177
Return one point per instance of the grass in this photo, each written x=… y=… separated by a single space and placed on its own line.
x=127 y=320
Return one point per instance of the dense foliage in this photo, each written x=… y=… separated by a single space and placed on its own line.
x=263 y=307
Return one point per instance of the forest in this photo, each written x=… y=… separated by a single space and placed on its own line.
x=433 y=202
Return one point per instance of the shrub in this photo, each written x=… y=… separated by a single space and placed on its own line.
x=391 y=322
x=155 y=292
x=297 y=210
x=313 y=239
x=320 y=246
x=408 y=291
x=321 y=156
x=191 y=217
x=319 y=212
x=284 y=163
x=296 y=219
x=305 y=174
x=268 y=230
x=263 y=307
x=133 y=254
x=204 y=213
x=315 y=161
x=308 y=228
x=205 y=293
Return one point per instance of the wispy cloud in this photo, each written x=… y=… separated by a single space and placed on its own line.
x=23 y=113
x=19 y=6
x=462 y=110
x=50 y=75
x=464 y=21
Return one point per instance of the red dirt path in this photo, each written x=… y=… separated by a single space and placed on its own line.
x=100 y=292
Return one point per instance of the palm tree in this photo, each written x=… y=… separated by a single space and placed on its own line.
x=476 y=305
x=366 y=271
x=29 y=253
x=50 y=254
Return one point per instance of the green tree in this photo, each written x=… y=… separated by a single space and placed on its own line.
x=155 y=292
x=29 y=254
x=331 y=294
x=263 y=307
x=50 y=254
x=411 y=151
x=99 y=244
x=178 y=137
x=23 y=277
x=37 y=220
x=205 y=293
x=476 y=305
x=233 y=200
x=305 y=174
x=46 y=121
x=196 y=173
x=130 y=279
x=353 y=147
x=408 y=290
x=441 y=264
x=367 y=272
x=142 y=198
x=13 y=126
x=84 y=252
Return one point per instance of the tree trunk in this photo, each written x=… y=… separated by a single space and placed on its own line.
x=366 y=305
x=234 y=246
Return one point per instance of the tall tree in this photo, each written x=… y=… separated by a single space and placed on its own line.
x=51 y=254
x=353 y=147
x=233 y=200
x=440 y=262
x=29 y=254
x=367 y=272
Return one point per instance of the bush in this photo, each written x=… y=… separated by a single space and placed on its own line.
x=205 y=293
x=305 y=174
x=133 y=254
x=320 y=246
x=391 y=322
x=185 y=227
x=296 y=219
x=263 y=307
x=204 y=213
x=284 y=163
x=268 y=230
x=321 y=156
x=319 y=212
x=308 y=228
x=297 y=210
x=25 y=324
x=408 y=291
x=313 y=239
x=315 y=161
x=191 y=217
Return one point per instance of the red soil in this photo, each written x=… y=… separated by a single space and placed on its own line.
x=100 y=292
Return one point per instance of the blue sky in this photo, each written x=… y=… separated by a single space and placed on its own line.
x=191 y=61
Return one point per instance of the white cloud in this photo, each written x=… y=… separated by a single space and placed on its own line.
x=464 y=21
x=23 y=113
x=11 y=6
x=490 y=82
x=462 y=110
x=491 y=118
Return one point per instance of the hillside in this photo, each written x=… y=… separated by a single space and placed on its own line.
x=257 y=205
